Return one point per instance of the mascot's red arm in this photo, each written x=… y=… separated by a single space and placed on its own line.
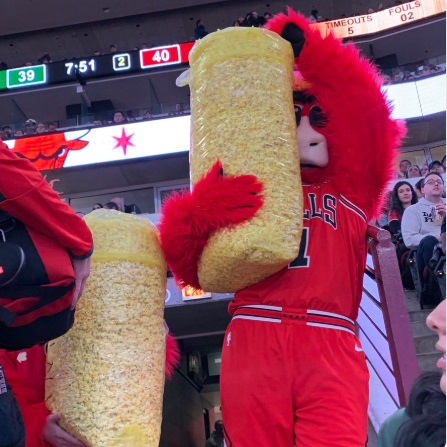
x=362 y=139
x=188 y=220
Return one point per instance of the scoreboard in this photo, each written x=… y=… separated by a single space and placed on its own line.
x=95 y=67
x=152 y=58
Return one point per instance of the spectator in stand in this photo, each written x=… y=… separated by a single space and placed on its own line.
x=436 y=166
x=371 y=11
x=259 y=20
x=236 y=23
x=421 y=223
x=97 y=206
x=403 y=196
x=19 y=133
x=178 y=110
x=422 y=422
x=403 y=168
x=398 y=76
x=30 y=127
x=242 y=21
x=119 y=117
x=251 y=19
x=313 y=18
x=200 y=32
x=267 y=16
x=423 y=70
x=147 y=115
x=41 y=128
x=52 y=127
x=413 y=172
x=386 y=79
x=45 y=59
x=7 y=133
x=408 y=76
x=113 y=48
x=424 y=169
x=111 y=206
x=97 y=123
x=382 y=219
x=418 y=188
x=119 y=202
x=443 y=163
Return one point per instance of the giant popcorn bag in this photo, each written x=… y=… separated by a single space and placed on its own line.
x=106 y=375
x=242 y=114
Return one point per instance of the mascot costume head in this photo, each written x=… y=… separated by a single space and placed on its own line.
x=338 y=102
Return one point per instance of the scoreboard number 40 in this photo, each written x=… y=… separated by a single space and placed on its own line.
x=161 y=56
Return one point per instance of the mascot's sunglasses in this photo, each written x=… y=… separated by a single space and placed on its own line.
x=317 y=118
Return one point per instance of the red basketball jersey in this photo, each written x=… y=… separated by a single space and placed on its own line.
x=327 y=274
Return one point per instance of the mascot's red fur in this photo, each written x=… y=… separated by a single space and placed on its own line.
x=303 y=381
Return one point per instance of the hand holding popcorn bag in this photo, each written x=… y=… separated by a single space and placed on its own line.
x=106 y=375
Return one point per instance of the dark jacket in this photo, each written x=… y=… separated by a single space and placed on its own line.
x=200 y=32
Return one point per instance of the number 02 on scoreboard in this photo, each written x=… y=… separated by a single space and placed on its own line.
x=160 y=56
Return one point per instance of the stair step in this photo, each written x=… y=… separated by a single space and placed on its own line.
x=412 y=302
x=425 y=343
x=420 y=328
x=418 y=315
x=427 y=361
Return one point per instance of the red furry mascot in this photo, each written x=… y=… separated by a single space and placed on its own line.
x=293 y=371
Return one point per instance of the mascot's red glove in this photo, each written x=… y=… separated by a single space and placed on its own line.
x=188 y=220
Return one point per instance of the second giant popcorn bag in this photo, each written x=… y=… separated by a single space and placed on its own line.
x=242 y=114
x=106 y=375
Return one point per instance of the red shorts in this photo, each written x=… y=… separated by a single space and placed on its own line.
x=293 y=378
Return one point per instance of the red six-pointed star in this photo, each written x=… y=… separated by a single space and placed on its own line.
x=123 y=141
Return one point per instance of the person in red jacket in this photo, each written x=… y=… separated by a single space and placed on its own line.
x=25 y=370
x=45 y=265
x=35 y=303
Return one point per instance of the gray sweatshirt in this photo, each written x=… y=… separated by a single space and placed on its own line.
x=418 y=222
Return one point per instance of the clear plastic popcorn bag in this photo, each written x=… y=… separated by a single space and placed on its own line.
x=106 y=375
x=242 y=113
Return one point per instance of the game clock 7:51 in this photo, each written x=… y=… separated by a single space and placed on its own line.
x=82 y=66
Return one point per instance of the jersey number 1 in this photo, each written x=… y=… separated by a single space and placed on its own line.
x=302 y=260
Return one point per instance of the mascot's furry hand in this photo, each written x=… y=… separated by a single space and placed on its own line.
x=188 y=220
